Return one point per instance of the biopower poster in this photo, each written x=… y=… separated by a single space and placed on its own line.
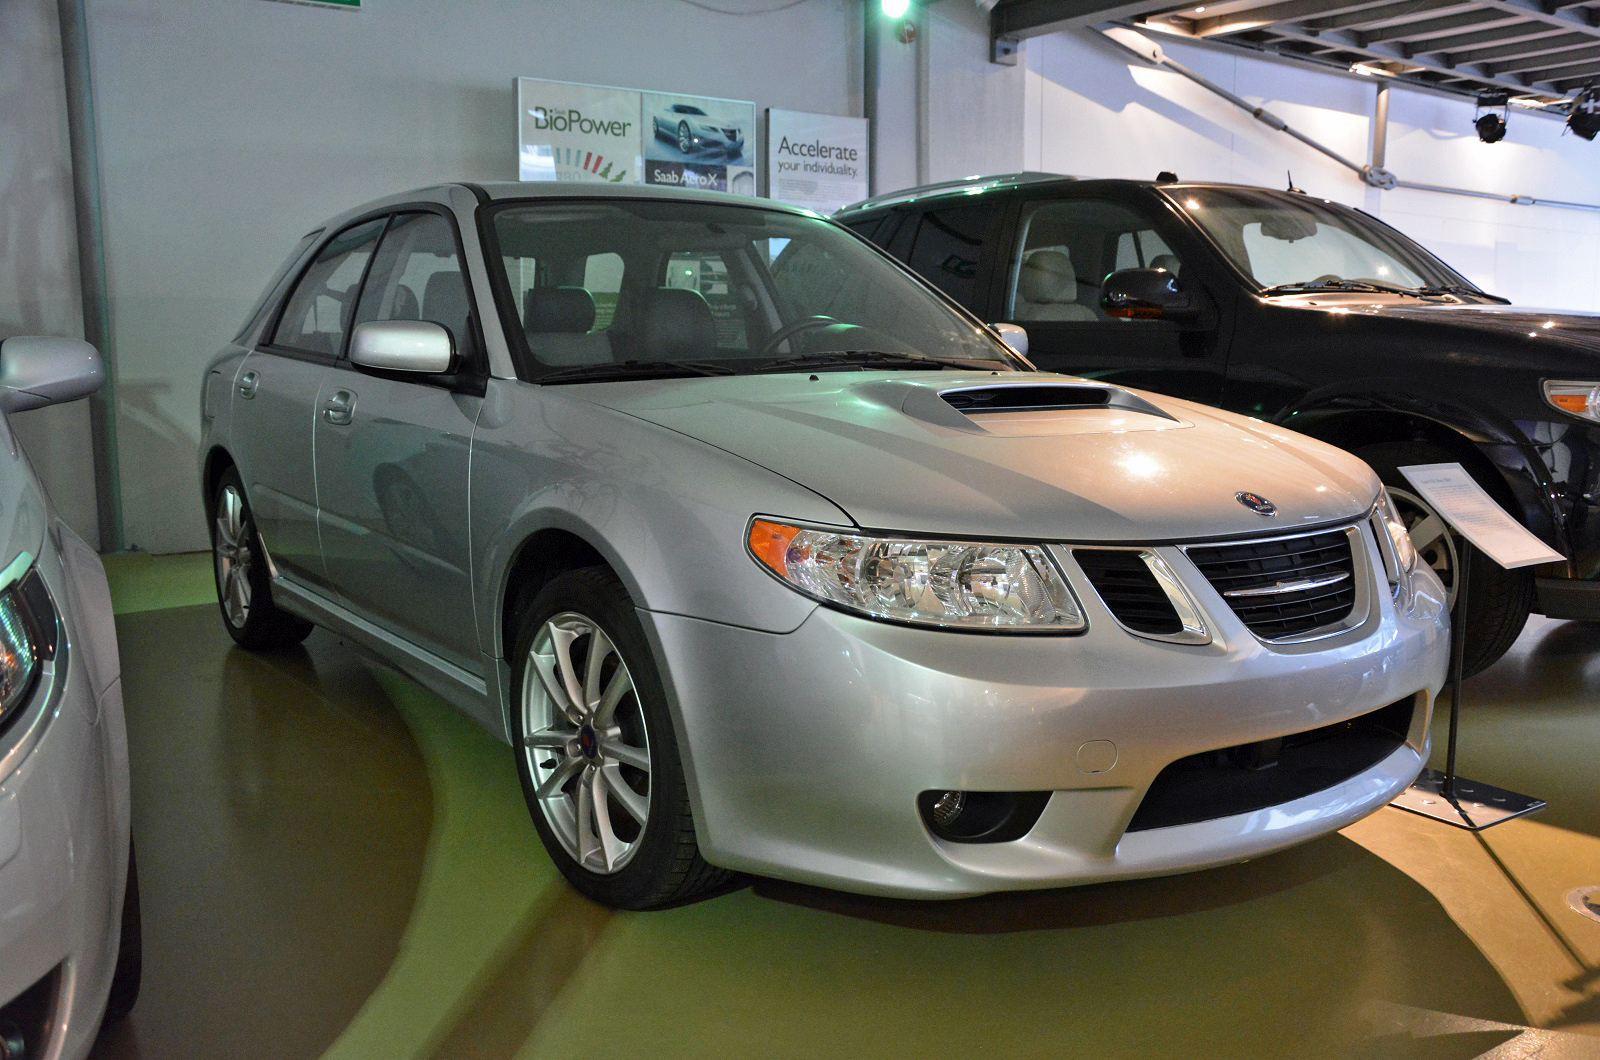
x=575 y=132
x=816 y=160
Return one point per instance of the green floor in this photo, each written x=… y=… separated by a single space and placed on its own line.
x=335 y=863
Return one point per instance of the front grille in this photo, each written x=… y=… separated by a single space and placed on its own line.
x=1257 y=565
x=1253 y=776
x=1129 y=590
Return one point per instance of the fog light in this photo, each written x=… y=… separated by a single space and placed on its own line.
x=947 y=807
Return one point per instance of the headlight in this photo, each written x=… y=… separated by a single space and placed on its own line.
x=952 y=584
x=27 y=638
x=1577 y=399
x=1399 y=550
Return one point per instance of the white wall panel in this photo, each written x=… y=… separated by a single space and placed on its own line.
x=228 y=129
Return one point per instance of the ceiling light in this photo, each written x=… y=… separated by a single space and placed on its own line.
x=1583 y=118
x=1490 y=117
x=896 y=8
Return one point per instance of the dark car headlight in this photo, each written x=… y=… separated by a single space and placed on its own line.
x=949 y=584
x=27 y=639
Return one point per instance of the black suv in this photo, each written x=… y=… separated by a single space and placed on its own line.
x=1302 y=312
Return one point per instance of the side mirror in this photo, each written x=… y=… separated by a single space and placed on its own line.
x=1013 y=335
x=1147 y=294
x=403 y=346
x=36 y=371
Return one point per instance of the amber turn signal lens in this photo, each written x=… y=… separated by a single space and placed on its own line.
x=1576 y=404
x=769 y=543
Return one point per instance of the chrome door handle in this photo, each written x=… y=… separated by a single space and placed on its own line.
x=339 y=408
x=248 y=384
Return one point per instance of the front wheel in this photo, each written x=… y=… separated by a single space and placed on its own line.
x=685 y=141
x=596 y=751
x=1499 y=601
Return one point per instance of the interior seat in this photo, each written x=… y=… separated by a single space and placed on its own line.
x=557 y=320
x=675 y=324
x=1169 y=262
x=1047 y=288
x=444 y=301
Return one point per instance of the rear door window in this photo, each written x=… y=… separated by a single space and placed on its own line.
x=947 y=245
x=317 y=317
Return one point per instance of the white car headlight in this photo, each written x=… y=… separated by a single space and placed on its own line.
x=1401 y=552
x=1577 y=399
x=27 y=638
x=950 y=584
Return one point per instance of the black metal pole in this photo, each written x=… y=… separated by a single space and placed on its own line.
x=1458 y=654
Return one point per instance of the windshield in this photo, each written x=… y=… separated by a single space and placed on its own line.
x=1297 y=241
x=603 y=289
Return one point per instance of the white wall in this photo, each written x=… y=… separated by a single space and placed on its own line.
x=38 y=244
x=1094 y=110
x=228 y=129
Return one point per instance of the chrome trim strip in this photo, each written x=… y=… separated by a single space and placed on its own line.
x=1280 y=588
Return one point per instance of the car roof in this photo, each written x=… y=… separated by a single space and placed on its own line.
x=976 y=185
x=512 y=190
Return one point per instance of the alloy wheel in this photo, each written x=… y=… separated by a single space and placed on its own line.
x=587 y=747
x=233 y=556
x=1430 y=535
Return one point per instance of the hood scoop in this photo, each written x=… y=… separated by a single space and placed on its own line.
x=1049 y=397
x=1021 y=410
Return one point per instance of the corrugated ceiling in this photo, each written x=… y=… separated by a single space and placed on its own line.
x=1541 y=51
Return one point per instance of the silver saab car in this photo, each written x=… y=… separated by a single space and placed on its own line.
x=765 y=557
x=70 y=946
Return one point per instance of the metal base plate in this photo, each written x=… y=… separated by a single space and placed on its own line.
x=1471 y=804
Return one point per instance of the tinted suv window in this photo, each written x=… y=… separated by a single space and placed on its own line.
x=417 y=276
x=1067 y=249
x=946 y=248
x=318 y=313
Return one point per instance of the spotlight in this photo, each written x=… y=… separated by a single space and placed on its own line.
x=1490 y=125
x=1583 y=117
x=896 y=8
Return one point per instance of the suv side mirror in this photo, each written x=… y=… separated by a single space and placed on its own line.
x=403 y=346
x=1013 y=335
x=36 y=371
x=1147 y=294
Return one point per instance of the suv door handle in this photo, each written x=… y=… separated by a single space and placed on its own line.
x=248 y=383
x=339 y=408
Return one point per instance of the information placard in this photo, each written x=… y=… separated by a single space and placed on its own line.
x=1465 y=506
x=816 y=160
x=574 y=132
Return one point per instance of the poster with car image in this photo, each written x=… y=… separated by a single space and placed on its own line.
x=574 y=132
x=816 y=160
x=699 y=142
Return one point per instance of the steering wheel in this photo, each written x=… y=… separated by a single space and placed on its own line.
x=793 y=328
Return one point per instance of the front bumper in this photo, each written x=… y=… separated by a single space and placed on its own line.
x=64 y=818
x=806 y=751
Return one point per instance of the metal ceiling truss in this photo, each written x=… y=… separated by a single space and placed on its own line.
x=1541 y=51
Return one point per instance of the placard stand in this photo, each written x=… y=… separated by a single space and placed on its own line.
x=1457 y=801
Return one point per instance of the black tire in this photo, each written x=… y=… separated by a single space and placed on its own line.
x=1500 y=600
x=238 y=566
x=130 y=953
x=685 y=140
x=661 y=863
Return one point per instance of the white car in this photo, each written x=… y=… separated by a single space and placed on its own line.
x=693 y=130
x=69 y=900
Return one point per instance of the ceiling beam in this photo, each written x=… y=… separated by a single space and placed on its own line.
x=1413 y=33
x=1549 y=42
x=1292 y=11
x=1034 y=18
x=1388 y=52
x=1541 y=64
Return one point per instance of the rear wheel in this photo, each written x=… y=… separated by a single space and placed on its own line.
x=1499 y=600
x=596 y=751
x=244 y=592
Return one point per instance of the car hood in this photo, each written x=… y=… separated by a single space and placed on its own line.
x=1073 y=460
x=1561 y=341
x=23 y=514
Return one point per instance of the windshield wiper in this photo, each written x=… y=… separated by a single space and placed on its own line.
x=855 y=359
x=1461 y=289
x=634 y=370
x=1345 y=285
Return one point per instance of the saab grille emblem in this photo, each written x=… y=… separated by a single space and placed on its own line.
x=1256 y=503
